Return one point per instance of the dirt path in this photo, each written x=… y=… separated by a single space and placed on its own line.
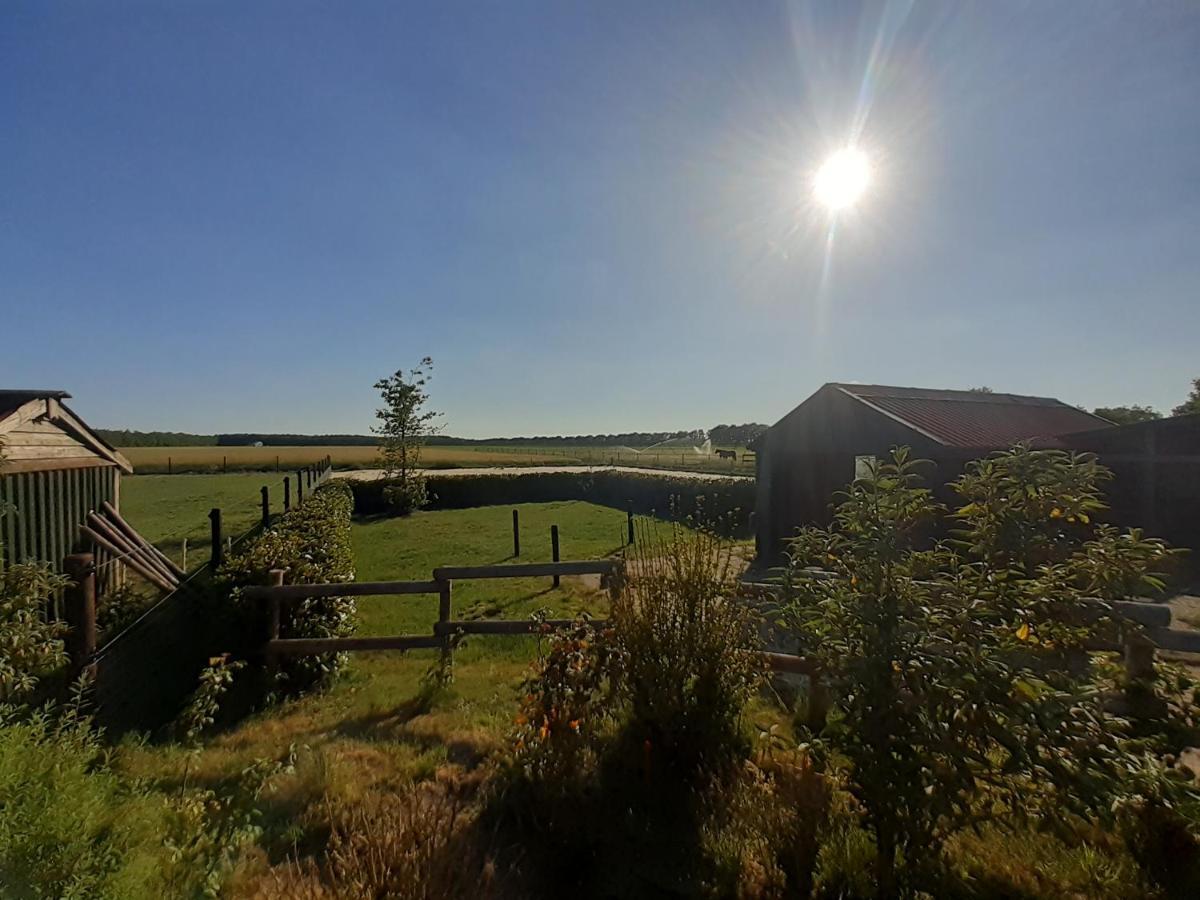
x=372 y=474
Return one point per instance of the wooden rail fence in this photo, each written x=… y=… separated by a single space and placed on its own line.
x=445 y=630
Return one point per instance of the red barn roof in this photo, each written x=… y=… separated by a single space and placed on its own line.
x=974 y=419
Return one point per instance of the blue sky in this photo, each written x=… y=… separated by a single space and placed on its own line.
x=594 y=216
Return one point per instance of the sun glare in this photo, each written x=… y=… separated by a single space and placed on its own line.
x=842 y=179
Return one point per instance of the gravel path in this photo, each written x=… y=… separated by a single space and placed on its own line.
x=372 y=474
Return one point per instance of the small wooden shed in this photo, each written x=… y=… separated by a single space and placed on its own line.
x=54 y=469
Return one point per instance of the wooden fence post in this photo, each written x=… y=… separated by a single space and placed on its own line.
x=299 y=487
x=287 y=494
x=554 y=548
x=266 y=506
x=444 y=613
x=183 y=563
x=79 y=602
x=273 y=622
x=214 y=517
x=1139 y=676
x=516 y=534
x=169 y=471
x=629 y=514
x=224 y=463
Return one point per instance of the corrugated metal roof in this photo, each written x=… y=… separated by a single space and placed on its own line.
x=974 y=419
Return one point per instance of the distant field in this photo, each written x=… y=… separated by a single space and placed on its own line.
x=152 y=460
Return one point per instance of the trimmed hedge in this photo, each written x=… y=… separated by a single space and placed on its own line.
x=312 y=542
x=726 y=503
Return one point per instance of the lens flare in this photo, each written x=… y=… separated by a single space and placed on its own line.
x=842 y=179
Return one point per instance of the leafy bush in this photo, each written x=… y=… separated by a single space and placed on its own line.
x=962 y=690
x=726 y=504
x=312 y=542
x=31 y=644
x=68 y=826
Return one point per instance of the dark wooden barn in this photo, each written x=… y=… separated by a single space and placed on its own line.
x=53 y=470
x=1156 y=483
x=812 y=452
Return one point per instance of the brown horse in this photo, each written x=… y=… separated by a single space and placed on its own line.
x=726 y=454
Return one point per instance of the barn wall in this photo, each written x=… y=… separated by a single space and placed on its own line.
x=45 y=510
x=1156 y=483
x=808 y=457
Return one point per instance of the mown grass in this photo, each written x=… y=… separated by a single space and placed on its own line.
x=166 y=509
x=372 y=731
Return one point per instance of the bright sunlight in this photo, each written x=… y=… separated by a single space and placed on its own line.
x=842 y=179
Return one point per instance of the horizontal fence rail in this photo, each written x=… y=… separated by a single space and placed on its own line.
x=445 y=630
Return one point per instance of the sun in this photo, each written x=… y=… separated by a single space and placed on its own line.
x=842 y=179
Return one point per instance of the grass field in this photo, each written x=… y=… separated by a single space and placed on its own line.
x=148 y=460
x=361 y=735
x=165 y=509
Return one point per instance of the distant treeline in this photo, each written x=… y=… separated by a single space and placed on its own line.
x=723 y=435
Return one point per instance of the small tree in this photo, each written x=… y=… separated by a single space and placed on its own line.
x=1192 y=403
x=404 y=424
x=960 y=684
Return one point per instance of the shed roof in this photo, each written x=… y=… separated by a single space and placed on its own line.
x=974 y=419
x=19 y=407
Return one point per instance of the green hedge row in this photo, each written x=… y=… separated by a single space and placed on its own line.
x=312 y=542
x=727 y=503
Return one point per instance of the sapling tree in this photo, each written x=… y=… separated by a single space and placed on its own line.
x=960 y=685
x=404 y=425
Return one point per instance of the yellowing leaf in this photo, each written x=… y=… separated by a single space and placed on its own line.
x=1083 y=517
x=1023 y=632
x=1056 y=513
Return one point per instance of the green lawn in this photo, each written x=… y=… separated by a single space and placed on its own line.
x=364 y=733
x=165 y=509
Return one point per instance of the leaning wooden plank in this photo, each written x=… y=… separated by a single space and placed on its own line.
x=129 y=549
x=525 y=570
x=133 y=562
x=1175 y=639
x=344 y=589
x=133 y=535
x=506 y=626
x=294 y=646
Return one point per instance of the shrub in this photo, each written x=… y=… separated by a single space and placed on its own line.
x=312 y=542
x=962 y=691
x=68 y=827
x=31 y=644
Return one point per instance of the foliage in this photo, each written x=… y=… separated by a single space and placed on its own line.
x=312 y=542
x=31 y=643
x=1192 y=403
x=119 y=608
x=683 y=634
x=404 y=424
x=1127 y=415
x=202 y=708
x=961 y=691
x=68 y=827
x=735 y=435
x=207 y=831
x=568 y=700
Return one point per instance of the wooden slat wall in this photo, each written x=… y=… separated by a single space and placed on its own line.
x=47 y=509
